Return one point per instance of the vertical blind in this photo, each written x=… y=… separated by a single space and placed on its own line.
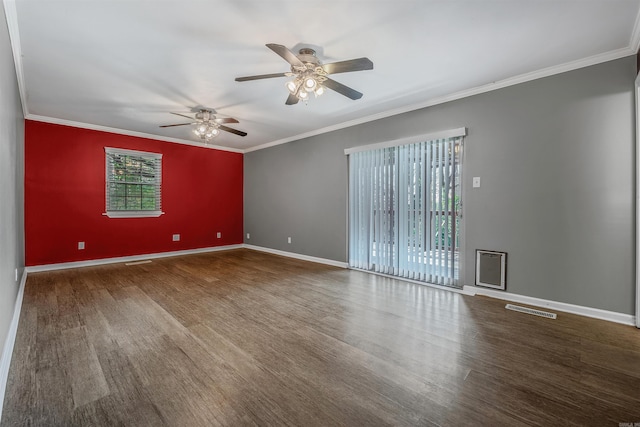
x=404 y=210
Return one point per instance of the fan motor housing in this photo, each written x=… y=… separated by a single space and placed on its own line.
x=204 y=115
x=308 y=56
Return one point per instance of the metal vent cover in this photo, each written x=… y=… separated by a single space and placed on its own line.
x=533 y=311
x=491 y=269
x=138 y=262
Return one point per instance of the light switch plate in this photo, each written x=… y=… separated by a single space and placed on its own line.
x=476 y=182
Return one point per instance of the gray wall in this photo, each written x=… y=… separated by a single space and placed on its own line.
x=11 y=182
x=556 y=160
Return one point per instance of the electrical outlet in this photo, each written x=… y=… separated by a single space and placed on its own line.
x=80 y=246
x=176 y=237
x=219 y=235
x=248 y=236
x=288 y=239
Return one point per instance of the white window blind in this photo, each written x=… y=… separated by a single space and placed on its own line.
x=133 y=183
x=404 y=210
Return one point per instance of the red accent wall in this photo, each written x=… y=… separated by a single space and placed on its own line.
x=65 y=197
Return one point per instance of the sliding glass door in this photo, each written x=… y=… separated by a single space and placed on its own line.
x=404 y=210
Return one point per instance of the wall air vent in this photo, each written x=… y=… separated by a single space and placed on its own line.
x=491 y=269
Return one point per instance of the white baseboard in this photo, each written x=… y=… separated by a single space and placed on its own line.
x=298 y=256
x=93 y=262
x=596 y=313
x=611 y=316
x=7 y=351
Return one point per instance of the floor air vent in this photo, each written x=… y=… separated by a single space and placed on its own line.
x=138 y=262
x=531 y=311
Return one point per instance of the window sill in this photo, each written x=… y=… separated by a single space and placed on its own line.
x=133 y=214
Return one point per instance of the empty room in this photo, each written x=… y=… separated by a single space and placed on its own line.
x=349 y=213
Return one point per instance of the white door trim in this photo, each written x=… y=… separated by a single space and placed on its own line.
x=637 y=204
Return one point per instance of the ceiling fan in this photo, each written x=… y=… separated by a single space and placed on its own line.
x=207 y=125
x=310 y=75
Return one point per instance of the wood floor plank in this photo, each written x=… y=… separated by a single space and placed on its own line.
x=611 y=357
x=285 y=358
x=267 y=397
x=85 y=372
x=242 y=337
x=22 y=385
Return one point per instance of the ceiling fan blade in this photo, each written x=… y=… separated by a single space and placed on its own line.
x=286 y=54
x=179 y=124
x=228 y=129
x=258 y=77
x=182 y=115
x=226 y=120
x=342 y=89
x=292 y=99
x=347 y=66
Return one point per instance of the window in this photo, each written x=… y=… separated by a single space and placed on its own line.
x=133 y=181
x=404 y=208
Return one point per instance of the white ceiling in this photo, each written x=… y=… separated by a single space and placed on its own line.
x=124 y=65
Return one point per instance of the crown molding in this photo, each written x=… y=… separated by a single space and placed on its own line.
x=11 y=15
x=634 y=42
x=522 y=78
x=14 y=34
x=118 y=131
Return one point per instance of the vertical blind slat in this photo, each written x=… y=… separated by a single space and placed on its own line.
x=402 y=215
x=410 y=198
x=424 y=204
x=447 y=200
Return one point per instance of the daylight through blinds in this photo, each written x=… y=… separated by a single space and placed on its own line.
x=404 y=210
x=133 y=181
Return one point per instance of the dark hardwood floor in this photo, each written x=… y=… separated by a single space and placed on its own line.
x=247 y=338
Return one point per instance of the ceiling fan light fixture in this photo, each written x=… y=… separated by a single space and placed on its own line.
x=292 y=86
x=207 y=126
x=309 y=74
x=310 y=84
x=206 y=131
